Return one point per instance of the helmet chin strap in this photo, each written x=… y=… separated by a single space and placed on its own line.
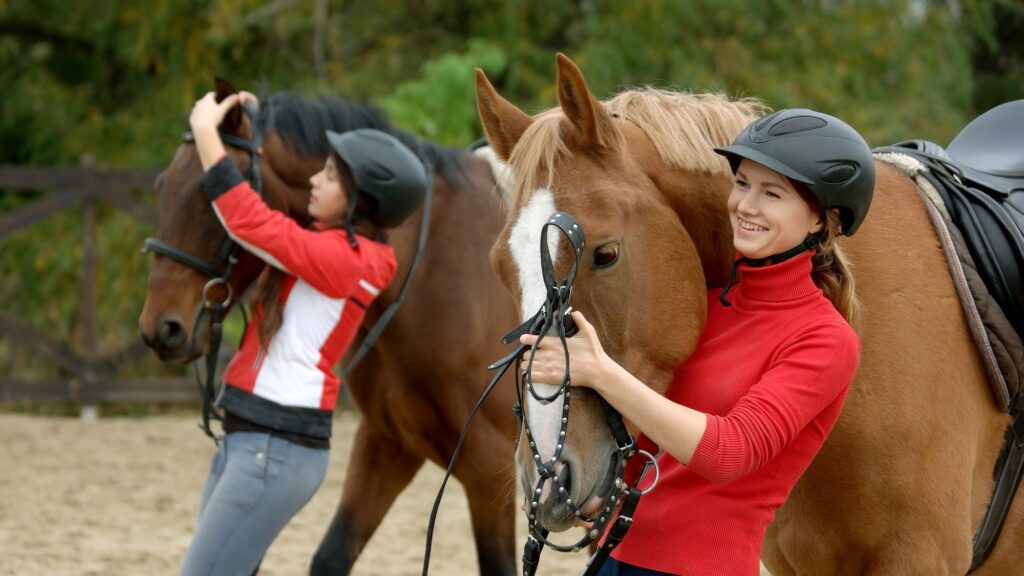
x=352 y=201
x=812 y=242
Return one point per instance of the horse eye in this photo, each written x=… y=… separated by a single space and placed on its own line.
x=606 y=255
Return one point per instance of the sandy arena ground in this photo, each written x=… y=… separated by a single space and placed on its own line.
x=119 y=496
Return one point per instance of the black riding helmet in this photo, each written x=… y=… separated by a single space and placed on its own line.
x=819 y=151
x=385 y=170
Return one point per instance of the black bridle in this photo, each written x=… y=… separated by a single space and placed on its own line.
x=553 y=317
x=218 y=271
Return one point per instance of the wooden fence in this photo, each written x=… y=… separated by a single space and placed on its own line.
x=94 y=375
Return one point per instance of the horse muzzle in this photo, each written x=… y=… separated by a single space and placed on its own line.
x=553 y=509
x=169 y=339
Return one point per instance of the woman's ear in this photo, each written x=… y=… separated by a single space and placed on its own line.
x=822 y=222
x=818 y=226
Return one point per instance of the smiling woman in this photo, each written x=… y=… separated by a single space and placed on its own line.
x=753 y=404
x=802 y=178
x=768 y=215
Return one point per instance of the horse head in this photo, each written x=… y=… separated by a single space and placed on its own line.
x=649 y=257
x=178 y=288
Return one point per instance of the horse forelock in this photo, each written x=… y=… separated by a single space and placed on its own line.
x=684 y=127
x=535 y=155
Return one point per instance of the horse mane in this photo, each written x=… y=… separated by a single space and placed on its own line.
x=684 y=127
x=301 y=122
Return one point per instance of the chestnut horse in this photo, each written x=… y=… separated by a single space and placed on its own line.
x=418 y=383
x=902 y=482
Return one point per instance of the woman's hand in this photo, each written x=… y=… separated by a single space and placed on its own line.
x=207 y=114
x=248 y=98
x=588 y=363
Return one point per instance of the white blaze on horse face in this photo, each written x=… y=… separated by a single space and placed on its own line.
x=524 y=243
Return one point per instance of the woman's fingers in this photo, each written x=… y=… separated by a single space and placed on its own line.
x=581 y=322
x=229 y=102
x=248 y=98
x=583 y=523
x=208 y=113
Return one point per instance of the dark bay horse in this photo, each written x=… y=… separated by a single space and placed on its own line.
x=417 y=385
x=902 y=482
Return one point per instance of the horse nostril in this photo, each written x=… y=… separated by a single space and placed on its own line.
x=565 y=477
x=170 y=334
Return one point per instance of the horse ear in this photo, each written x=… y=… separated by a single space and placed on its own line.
x=233 y=121
x=503 y=123
x=586 y=114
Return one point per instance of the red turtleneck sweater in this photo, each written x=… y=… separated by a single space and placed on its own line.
x=771 y=372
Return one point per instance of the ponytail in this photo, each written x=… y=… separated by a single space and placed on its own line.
x=833 y=272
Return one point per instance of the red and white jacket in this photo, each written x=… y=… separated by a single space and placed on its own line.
x=290 y=385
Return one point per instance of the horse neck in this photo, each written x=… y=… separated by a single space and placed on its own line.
x=699 y=199
x=285 y=188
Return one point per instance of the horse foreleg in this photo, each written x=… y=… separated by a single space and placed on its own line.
x=378 y=470
x=492 y=508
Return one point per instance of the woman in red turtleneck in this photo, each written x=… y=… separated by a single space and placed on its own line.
x=750 y=408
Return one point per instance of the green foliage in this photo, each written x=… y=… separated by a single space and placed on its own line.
x=441 y=106
x=113 y=79
x=846 y=58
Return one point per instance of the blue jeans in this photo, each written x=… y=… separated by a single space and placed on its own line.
x=613 y=567
x=257 y=482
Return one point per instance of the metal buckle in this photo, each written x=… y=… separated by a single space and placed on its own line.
x=652 y=460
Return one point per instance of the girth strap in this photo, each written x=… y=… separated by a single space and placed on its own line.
x=1008 y=474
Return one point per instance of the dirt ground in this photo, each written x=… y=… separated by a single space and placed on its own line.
x=118 y=496
x=114 y=497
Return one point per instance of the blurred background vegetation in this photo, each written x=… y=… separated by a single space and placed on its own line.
x=111 y=80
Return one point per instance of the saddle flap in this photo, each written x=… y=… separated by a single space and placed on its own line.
x=991 y=148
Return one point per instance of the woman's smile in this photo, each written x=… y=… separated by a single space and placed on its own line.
x=768 y=214
x=751 y=227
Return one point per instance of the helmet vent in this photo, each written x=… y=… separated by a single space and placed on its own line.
x=763 y=121
x=796 y=124
x=838 y=173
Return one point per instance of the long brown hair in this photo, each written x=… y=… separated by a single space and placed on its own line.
x=833 y=272
x=267 y=302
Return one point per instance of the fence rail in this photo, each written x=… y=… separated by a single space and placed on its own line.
x=93 y=376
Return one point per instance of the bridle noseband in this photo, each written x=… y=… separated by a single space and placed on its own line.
x=553 y=317
x=218 y=271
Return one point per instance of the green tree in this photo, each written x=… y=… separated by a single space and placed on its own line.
x=112 y=80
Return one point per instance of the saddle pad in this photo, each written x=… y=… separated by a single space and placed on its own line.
x=1000 y=346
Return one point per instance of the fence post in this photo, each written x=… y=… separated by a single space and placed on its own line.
x=89 y=385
